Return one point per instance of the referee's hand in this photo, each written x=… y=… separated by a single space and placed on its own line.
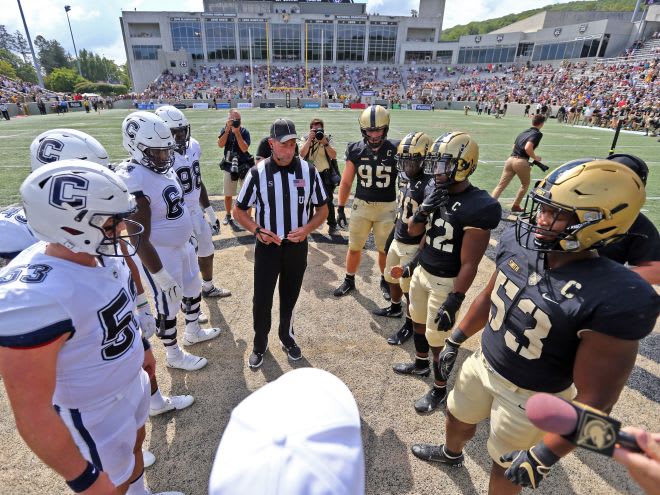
x=268 y=237
x=298 y=235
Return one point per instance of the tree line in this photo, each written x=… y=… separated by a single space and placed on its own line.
x=58 y=67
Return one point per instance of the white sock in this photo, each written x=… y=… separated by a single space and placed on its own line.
x=157 y=400
x=137 y=487
x=173 y=351
x=207 y=284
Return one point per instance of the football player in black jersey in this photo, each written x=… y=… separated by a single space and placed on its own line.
x=411 y=154
x=558 y=319
x=641 y=248
x=458 y=218
x=374 y=207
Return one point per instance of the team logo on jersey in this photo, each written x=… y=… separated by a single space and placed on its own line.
x=132 y=128
x=63 y=192
x=533 y=279
x=49 y=150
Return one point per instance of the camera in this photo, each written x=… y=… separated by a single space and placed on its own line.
x=236 y=123
x=540 y=165
x=319 y=134
x=233 y=170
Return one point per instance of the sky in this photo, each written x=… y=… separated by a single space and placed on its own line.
x=96 y=26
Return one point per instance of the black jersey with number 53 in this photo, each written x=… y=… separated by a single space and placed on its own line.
x=537 y=315
x=471 y=208
x=376 y=173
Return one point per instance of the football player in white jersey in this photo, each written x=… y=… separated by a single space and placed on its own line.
x=187 y=156
x=48 y=147
x=70 y=353
x=165 y=251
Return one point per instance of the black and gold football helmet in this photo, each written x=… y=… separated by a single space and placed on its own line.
x=454 y=155
x=374 y=118
x=411 y=154
x=603 y=198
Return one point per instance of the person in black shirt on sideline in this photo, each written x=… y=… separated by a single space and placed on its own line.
x=518 y=164
x=641 y=248
x=281 y=228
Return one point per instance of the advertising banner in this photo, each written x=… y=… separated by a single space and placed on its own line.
x=200 y=106
x=419 y=106
x=244 y=104
x=311 y=105
x=221 y=106
x=355 y=106
x=335 y=106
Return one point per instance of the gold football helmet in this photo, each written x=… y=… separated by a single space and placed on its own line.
x=412 y=152
x=455 y=155
x=603 y=196
x=374 y=118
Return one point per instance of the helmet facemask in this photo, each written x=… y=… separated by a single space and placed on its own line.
x=374 y=143
x=111 y=227
x=160 y=160
x=411 y=166
x=181 y=137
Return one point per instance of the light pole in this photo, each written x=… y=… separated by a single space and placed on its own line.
x=35 y=61
x=66 y=9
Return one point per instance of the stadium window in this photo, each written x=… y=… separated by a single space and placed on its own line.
x=382 y=43
x=259 y=45
x=511 y=54
x=444 y=56
x=220 y=40
x=603 y=46
x=586 y=45
x=594 y=47
x=489 y=56
x=525 y=49
x=188 y=35
x=561 y=49
x=286 y=42
x=497 y=53
x=314 y=46
x=552 y=51
x=350 y=41
x=146 y=52
x=417 y=56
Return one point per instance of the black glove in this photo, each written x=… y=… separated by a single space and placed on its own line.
x=341 y=218
x=529 y=467
x=447 y=358
x=446 y=316
x=439 y=197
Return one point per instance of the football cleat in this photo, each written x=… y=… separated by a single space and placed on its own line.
x=175 y=402
x=391 y=311
x=400 y=336
x=412 y=369
x=216 y=292
x=186 y=361
x=436 y=453
x=196 y=335
x=148 y=459
x=431 y=400
x=346 y=286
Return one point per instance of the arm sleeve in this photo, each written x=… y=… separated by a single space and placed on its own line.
x=248 y=195
x=31 y=319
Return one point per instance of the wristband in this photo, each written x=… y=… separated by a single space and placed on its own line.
x=86 y=479
x=146 y=344
x=457 y=336
x=141 y=300
x=542 y=453
x=257 y=231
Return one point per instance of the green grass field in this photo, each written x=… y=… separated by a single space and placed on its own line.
x=560 y=143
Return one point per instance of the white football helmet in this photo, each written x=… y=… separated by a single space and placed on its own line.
x=70 y=202
x=149 y=141
x=65 y=144
x=178 y=124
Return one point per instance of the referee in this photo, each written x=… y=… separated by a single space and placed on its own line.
x=284 y=189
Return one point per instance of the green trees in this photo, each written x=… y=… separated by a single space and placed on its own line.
x=63 y=79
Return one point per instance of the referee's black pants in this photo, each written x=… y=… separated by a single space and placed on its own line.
x=288 y=263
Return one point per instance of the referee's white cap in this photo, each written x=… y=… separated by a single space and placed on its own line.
x=298 y=435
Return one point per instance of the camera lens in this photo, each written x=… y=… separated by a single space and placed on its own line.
x=236 y=123
x=319 y=134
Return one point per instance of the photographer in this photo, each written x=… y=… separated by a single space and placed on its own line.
x=518 y=163
x=235 y=139
x=317 y=149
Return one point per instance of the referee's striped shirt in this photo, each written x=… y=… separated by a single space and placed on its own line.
x=283 y=196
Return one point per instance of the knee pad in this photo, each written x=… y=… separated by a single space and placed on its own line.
x=421 y=344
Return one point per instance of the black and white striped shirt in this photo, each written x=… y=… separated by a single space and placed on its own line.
x=283 y=196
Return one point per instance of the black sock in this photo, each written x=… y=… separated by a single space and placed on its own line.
x=350 y=277
x=408 y=325
x=421 y=362
x=396 y=306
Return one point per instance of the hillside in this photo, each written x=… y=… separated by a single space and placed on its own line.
x=483 y=27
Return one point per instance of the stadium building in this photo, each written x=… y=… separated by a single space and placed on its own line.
x=340 y=32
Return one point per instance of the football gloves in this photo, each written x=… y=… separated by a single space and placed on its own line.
x=447 y=358
x=170 y=289
x=341 y=218
x=529 y=467
x=446 y=316
x=213 y=221
x=146 y=320
x=439 y=197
